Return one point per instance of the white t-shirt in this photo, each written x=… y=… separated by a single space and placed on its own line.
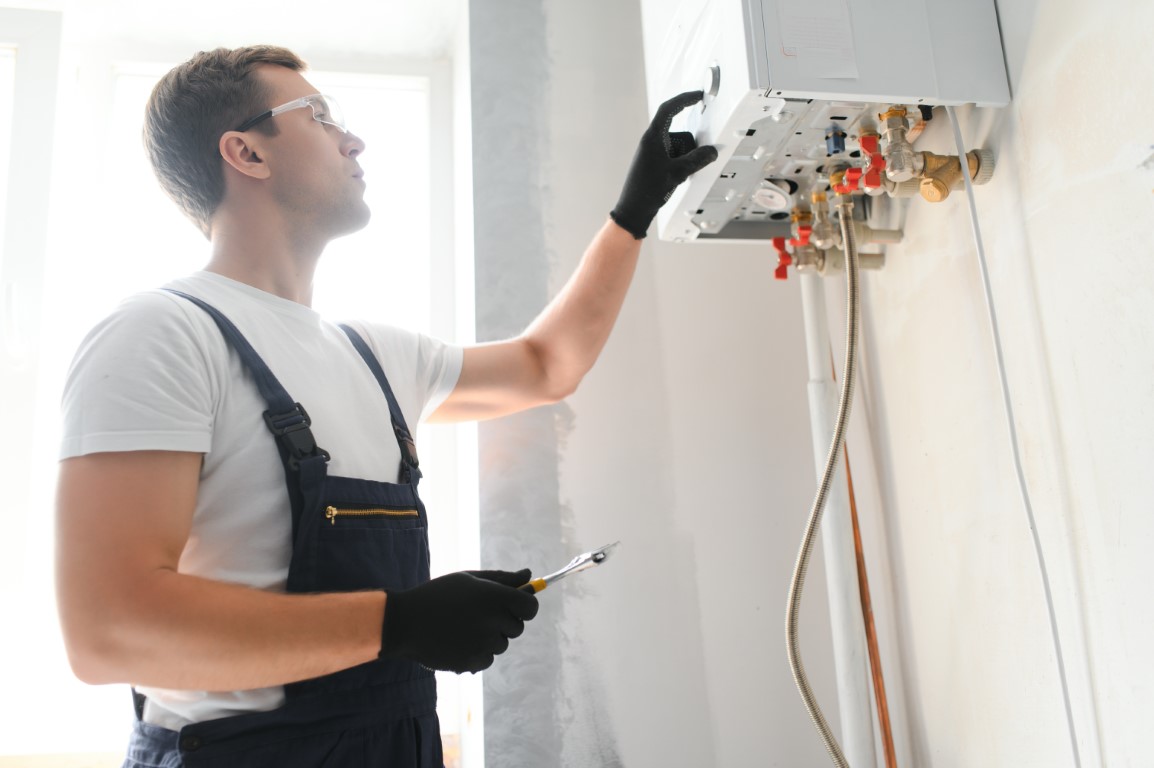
x=158 y=375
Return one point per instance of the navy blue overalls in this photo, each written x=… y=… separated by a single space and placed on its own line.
x=348 y=534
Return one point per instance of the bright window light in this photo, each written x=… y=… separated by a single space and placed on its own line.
x=7 y=96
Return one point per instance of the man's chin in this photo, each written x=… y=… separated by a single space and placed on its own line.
x=355 y=222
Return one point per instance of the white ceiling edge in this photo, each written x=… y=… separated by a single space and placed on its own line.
x=354 y=33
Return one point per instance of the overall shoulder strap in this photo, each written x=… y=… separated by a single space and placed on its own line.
x=400 y=428
x=304 y=461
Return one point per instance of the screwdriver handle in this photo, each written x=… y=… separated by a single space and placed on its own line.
x=534 y=586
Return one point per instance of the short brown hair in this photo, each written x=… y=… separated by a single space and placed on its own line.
x=192 y=107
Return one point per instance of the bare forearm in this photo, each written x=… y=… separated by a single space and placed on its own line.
x=548 y=361
x=182 y=632
x=570 y=333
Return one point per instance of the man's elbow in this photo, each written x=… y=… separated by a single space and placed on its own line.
x=93 y=659
x=559 y=385
x=98 y=641
x=559 y=380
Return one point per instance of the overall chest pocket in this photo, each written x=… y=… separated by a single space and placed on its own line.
x=375 y=537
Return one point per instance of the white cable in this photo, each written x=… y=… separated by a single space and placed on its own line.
x=1014 y=432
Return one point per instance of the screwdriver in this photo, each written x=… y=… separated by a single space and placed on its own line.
x=576 y=565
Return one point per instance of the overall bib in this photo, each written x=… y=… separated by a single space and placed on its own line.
x=348 y=534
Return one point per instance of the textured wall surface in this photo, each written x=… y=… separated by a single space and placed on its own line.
x=1064 y=222
x=689 y=441
x=521 y=518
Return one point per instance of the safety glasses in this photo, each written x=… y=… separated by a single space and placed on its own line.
x=325 y=110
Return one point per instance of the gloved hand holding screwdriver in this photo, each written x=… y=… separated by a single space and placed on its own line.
x=458 y=622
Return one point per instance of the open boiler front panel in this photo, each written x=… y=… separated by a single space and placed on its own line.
x=806 y=99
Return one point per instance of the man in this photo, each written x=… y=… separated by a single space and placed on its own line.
x=239 y=530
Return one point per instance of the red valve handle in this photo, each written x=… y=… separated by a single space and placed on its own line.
x=849 y=182
x=872 y=179
x=783 y=259
x=803 y=233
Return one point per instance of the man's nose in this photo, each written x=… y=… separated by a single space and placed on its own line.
x=353 y=144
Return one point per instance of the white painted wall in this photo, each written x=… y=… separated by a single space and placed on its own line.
x=689 y=441
x=1064 y=223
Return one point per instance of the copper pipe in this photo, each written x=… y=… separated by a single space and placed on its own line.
x=871 y=632
x=867 y=612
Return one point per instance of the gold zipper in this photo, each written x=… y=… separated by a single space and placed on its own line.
x=331 y=513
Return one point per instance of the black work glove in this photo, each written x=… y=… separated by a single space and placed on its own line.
x=457 y=622
x=663 y=160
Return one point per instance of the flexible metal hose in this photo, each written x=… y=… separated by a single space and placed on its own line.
x=845 y=211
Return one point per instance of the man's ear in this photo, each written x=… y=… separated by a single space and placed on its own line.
x=242 y=154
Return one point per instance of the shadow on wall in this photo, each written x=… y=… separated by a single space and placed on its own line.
x=1016 y=20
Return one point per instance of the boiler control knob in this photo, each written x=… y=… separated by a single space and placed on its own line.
x=711 y=85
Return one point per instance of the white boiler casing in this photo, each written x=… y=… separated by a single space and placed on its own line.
x=778 y=74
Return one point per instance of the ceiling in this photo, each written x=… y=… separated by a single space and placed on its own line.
x=340 y=29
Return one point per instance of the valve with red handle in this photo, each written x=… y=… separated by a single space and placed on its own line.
x=784 y=259
x=871 y=147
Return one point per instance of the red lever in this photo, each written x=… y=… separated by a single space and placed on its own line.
x=873 y=172
x=849 y=182
x=783 y=259
x=803 y=233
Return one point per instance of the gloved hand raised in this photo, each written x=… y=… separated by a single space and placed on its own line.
x=663 y=160
x=457 y=622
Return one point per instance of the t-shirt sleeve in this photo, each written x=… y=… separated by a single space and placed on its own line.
x=433 y=366
x=140 y=381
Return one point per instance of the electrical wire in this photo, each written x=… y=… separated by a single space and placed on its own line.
x=1009 y=409
x=797 y=582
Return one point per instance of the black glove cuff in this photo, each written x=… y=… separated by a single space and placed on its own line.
x=638 y=233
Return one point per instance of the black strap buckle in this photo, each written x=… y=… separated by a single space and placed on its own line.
x=292 y=433
x=408 y=447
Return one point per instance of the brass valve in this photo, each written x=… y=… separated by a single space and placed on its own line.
x=942 y=173
x=837 y=180
x=801 y=226
x=801 y=216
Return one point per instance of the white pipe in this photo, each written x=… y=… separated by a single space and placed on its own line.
x=851 y=660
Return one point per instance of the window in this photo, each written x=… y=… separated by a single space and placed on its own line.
x=7 y=98
x=115 y=232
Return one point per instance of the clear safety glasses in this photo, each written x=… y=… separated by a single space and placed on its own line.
x=325 y=110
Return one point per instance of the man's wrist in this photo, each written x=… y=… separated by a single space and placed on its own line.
x=617 y=219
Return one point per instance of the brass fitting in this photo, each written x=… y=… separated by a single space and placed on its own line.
x=901 y=160
x=892 y=113
x=801 y=227
x=942 y=173
x=837 y=179
x=825 y=234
